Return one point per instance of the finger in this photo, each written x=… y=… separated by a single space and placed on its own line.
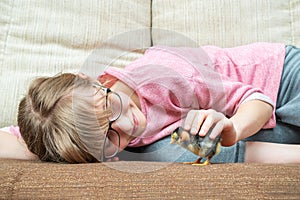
x=216 y=130
x=189 y=120
x=197 y=122
x=115 y=159
x=112 y=159
x=193 y=121
x=206 y=125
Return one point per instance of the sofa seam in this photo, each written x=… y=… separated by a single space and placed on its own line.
x=151 y=21
x=291 y=22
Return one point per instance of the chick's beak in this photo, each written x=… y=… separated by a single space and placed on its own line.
x=172 y=140
x=174 y=136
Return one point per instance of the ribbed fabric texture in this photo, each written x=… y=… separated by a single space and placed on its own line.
x=225 y=23
x=44 y=38
x=47 y=37
x=147 y=180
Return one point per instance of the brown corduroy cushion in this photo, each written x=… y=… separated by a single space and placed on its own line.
x=147 y=180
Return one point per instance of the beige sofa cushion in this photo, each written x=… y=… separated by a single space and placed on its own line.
x=226 y=23
x=131 y=180
x=47 y=37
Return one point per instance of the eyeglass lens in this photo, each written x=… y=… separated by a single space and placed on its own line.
x=114 y=105
x=112 y=143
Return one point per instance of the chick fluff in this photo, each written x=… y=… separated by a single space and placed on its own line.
x=204 y=147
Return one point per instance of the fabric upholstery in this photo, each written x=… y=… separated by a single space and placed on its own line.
x=43 y=38
x=226 y=23
x=47 y=37
x=147 y=180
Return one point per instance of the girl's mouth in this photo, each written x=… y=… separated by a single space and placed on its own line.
x=135 y=124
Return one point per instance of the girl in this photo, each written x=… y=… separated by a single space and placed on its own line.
x=250 y=94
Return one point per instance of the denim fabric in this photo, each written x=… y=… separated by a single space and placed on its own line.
x=163 y=151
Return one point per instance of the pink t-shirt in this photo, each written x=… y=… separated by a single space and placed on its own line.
x=171 y=81
x=13 y=130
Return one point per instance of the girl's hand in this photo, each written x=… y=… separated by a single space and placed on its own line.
x=14 y=148
x=114 y=159
x=201 y=121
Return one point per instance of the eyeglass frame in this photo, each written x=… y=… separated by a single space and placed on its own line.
x=107 y=91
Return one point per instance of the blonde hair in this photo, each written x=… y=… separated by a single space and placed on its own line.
x=58 y=120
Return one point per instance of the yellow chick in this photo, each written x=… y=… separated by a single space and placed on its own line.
x=201 y=146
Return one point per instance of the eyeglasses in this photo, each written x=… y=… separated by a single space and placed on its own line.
x=113 y=103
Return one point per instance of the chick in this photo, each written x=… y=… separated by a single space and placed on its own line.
x=201 y=146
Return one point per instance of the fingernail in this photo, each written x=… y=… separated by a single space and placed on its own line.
x=186 y=127
x=202 y=132
x=193 y=131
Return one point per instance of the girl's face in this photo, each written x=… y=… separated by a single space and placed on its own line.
x=132 y=122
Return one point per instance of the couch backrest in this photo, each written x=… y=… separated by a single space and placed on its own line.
x=43 y=38
x=228 y=23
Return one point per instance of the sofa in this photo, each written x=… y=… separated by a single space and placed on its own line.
x=44 y=38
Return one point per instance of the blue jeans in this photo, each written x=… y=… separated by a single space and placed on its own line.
x=163 y=151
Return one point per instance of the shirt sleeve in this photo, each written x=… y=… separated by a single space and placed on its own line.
x=259 y=96
x=14 y=130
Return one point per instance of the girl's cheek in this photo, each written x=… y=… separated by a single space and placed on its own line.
x=123 y=145
x=123 y=124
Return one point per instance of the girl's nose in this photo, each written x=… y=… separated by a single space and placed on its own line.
x=122 y=124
